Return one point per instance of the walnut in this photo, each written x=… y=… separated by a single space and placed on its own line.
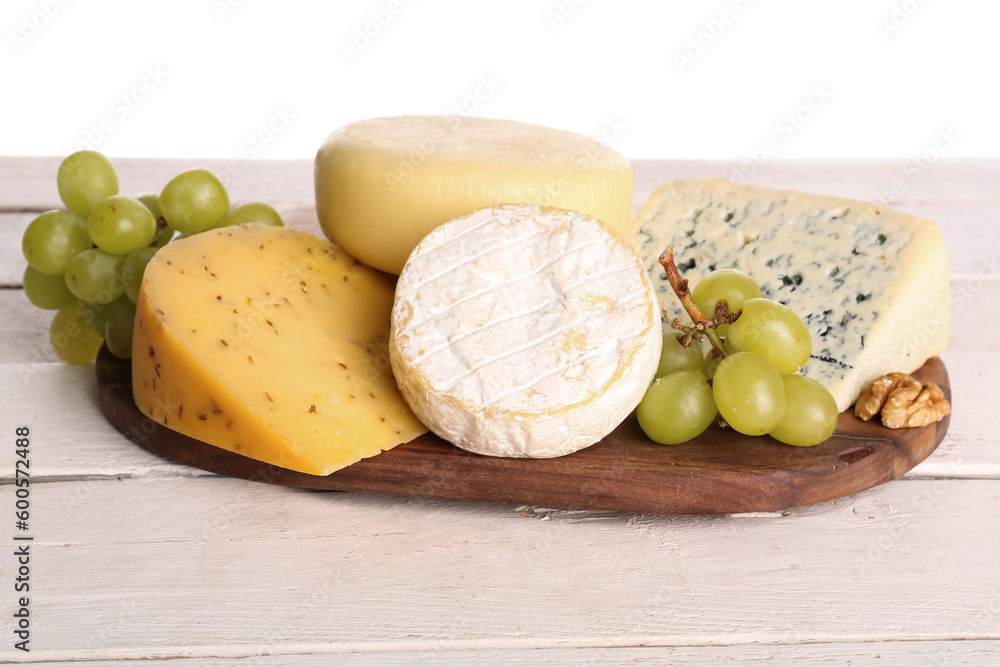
x=903 y=402
x=872 y=398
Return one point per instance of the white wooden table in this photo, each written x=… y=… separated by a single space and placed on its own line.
x=134 y=557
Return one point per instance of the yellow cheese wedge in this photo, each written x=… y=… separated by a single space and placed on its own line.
x=383 y=184
x=270 y=343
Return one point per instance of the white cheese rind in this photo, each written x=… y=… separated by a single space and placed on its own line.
x=524 y=331
x=871 y=283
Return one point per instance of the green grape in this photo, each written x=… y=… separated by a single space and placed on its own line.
x=164 y=235
x=151 y=201
x=45 y=291
x=773 y=330
x=676 y=408
x=52 y=239
x=84 y=179
x=810 y=413
x=732 y=285
x=95 y=315
x=194 y=201
x=71 y=338
x=118 y=328
x=250 y=212
x=121 y=224
x=132 y=270
x=164 y=232
x=95 y=276
x=749 y=393
x=675 y=357
x=711 y=363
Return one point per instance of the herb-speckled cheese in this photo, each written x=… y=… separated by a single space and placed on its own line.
x=270 y=343
x=871 y=283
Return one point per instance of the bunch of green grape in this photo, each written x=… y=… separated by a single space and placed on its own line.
x=753 y=387
x=87 y=262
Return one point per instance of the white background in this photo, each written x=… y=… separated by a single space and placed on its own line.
x=718 y=79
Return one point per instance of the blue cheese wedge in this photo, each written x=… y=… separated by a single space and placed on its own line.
x=524 y=331
x=871 y=283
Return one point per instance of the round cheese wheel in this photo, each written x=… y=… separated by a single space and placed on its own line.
x=524 y=331
x=383 y=183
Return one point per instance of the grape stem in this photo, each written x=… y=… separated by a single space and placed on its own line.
x=702 y=325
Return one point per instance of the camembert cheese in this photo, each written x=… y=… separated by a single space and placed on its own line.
x=382 y=184
x=524 y=331
x=871 y=283
x=272 y=344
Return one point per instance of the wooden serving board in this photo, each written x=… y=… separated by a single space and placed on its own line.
x=719 y=472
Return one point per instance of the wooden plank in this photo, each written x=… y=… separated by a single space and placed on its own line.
x=974 y=296
x=970 y=233
x=216 y=567
x=967 y=449
x=24 y=330
x=89 y=446
x=718 y=472
x=12 y=262
x=59 y=403
x=226 y=568
x=946 y=180
x=958 y=194
x=885 y=654
x=975 y=306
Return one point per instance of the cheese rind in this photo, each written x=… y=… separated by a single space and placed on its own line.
x=869 y=282
x=382 y=184
x=270 y=343
x=524 y=331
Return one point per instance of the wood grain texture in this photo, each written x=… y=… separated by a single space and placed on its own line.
x=958 y=194
x=12 y=262
x=134 y=560
x=30 y=183
x=946 y=180
x=884 y=654
x=90 y=446
x=719 y=472
x=212 y=567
